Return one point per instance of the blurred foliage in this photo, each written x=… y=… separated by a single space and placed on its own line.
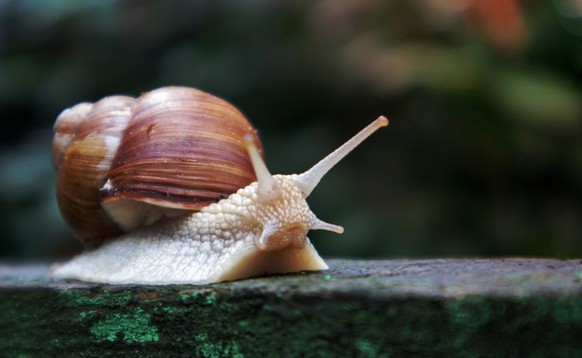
x=483 y=155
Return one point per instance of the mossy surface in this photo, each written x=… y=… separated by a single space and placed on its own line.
x=359 y=309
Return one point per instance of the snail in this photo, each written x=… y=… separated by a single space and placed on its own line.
x=171 y=187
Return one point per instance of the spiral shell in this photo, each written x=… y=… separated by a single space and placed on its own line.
x=124 y=162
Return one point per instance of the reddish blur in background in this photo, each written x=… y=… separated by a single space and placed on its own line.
x=483 y=155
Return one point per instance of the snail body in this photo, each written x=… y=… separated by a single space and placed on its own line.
x=260 y=228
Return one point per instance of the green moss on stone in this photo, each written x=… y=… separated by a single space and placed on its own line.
x=131 y=327
x=116 y=298
x=214 y=349
x=206 y=297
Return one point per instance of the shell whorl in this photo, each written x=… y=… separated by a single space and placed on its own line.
x=124 y=162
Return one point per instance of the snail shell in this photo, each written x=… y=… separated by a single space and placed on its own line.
x=125 y=162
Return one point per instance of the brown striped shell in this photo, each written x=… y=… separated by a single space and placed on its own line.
x=125 y=162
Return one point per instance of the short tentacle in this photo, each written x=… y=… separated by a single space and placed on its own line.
x=267 y=185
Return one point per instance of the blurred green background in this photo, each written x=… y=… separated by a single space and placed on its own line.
x=483 y=155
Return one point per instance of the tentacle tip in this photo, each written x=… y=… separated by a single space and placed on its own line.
x=382 y=121
x=261 y=243
x=248 y=139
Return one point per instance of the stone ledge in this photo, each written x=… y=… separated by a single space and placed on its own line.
x=474 y=307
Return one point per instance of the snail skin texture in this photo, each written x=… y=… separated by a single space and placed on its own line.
x=261 y=228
